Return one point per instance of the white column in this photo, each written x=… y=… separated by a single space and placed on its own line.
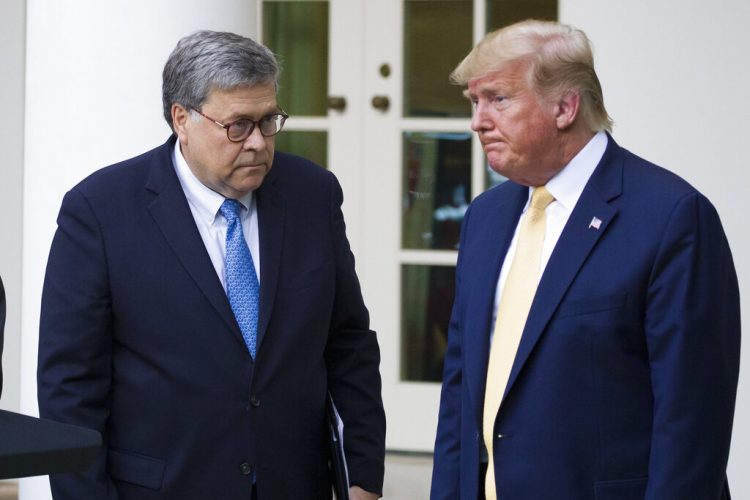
x=93 y=97
x=12 y=22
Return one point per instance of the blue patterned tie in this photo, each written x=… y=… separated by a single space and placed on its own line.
x=243 y=289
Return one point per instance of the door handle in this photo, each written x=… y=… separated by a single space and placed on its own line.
x=336 y=103
x=381 y=103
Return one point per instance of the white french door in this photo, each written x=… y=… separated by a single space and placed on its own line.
x=366 y=85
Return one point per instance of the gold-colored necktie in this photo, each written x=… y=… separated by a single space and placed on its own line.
x=515 y=302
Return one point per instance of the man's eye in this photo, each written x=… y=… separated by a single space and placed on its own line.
x=241 y=124
x=499 y=98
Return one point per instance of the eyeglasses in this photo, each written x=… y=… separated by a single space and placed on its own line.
x=239 y=130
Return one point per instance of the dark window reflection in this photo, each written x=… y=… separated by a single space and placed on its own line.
x=298 y=33
x=505 y=12
x=437 y=35
x=426 y=302
x=312 y=145
x=436 y=189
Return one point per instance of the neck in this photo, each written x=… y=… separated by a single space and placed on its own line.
x=571 y=143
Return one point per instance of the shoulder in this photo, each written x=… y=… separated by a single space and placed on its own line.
x=641 y=175
x=292 y=167
x=657 y=194
x=297 y=175
x=127 y=173
x=621 y=171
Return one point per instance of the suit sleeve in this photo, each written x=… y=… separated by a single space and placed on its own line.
x=2 y=329
x=446 y=466
x=353 y=359
x=692 y=328
x=75 y=341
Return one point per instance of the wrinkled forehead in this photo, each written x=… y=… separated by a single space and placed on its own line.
x=243 y=101
x=510 y=76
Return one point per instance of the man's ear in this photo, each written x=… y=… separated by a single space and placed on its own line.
x=180 y=117
x=566 y=109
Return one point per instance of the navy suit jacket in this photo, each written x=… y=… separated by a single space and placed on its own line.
x=2 y=329
x=138 y=341
x=624 y=383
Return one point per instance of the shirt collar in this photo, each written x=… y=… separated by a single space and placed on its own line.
x=205 y=200
x=568 y=184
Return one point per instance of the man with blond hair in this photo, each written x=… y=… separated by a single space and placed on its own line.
x=593 y=349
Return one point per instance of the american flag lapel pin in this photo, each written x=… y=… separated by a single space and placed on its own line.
x=596 y=223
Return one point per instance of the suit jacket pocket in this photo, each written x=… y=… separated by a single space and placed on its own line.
x=135 y=468
x=621 y=489
x=589 y=305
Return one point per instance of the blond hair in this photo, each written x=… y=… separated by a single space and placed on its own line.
x=560 y=57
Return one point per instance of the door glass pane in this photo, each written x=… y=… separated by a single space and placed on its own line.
x=504 y=12
x=436 y=180
x=310 y=145
x=437 y=35
x=297 y=32
x=427 y=299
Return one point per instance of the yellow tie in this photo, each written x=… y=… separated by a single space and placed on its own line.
x=515 y=302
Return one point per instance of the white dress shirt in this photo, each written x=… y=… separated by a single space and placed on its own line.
x=204 y=204
x=566 y=187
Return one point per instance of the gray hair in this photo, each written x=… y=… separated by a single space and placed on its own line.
x=210 y=60
x=561 y=60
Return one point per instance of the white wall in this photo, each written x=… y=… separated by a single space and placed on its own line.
x=676 y=75
x=93 y=97
x=12 y=31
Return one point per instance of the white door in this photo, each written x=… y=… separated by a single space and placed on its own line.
x=366 y=83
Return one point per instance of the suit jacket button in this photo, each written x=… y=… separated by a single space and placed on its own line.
x=255 y=402
x=245 y=469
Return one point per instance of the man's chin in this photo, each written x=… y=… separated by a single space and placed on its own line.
x=498 y=166
x=253 y=170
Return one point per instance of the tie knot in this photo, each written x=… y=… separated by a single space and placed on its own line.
x=230 y=209
x=540 y=198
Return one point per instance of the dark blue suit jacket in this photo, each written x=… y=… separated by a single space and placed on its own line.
x=138 y=341
x=2 y=329
x=624 y=383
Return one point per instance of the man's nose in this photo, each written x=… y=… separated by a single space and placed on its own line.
x=255 y=141
x=480 y=118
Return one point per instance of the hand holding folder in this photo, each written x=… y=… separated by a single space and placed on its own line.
x=339 y=471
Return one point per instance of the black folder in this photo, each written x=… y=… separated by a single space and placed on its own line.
x=35 y=446
x=339 y=472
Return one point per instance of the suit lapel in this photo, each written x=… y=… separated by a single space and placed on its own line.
x=489 y=246
x=576 y=242
x=271 y=233
x=170 y=211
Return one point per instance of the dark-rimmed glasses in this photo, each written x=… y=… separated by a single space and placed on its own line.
x=239 y=130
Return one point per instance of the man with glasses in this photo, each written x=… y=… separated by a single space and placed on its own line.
x=200 y=302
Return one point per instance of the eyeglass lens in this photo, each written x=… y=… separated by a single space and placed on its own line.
x=269 y=125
